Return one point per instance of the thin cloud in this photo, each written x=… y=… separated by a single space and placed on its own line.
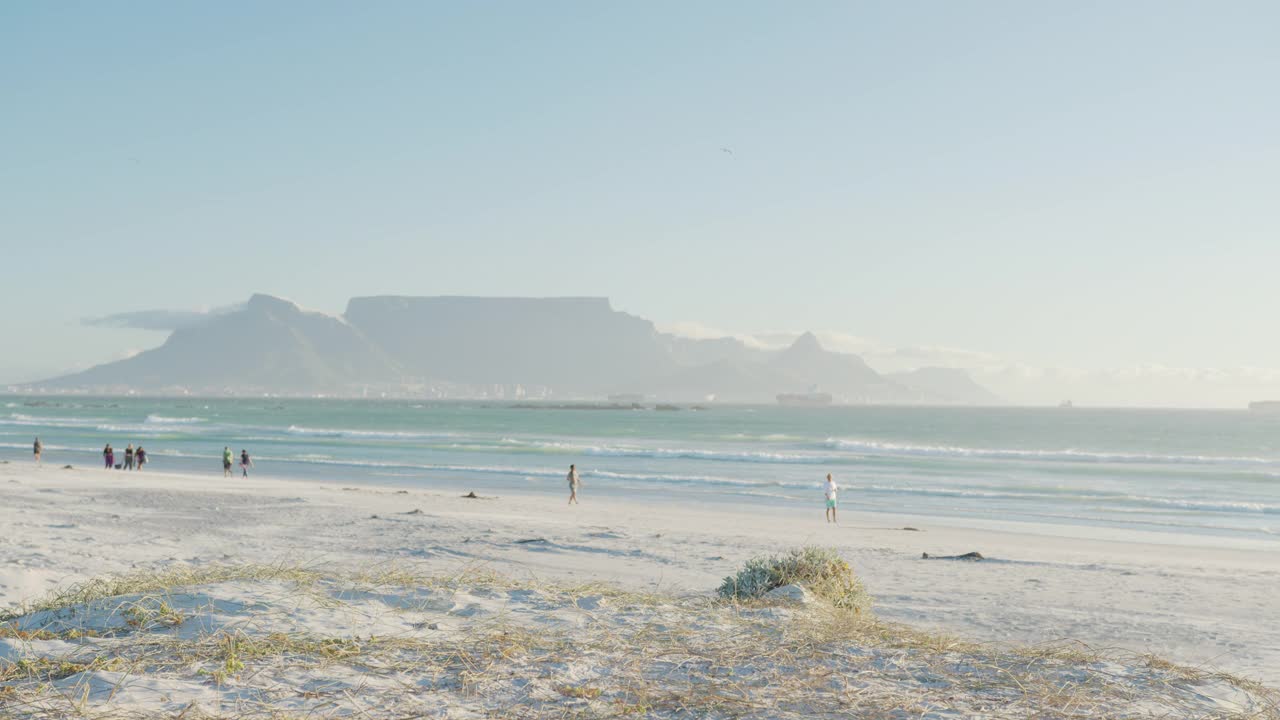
x=1147 y=384
x=158 y=320
x=698 y=331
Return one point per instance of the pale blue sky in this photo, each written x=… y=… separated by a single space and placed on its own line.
x=1083 y=184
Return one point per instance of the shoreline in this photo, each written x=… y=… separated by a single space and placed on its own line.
x=1190 y=603
x=545 y=481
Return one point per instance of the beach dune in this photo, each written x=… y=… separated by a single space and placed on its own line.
x=386 y=562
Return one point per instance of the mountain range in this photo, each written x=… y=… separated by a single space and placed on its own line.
x=495 y=347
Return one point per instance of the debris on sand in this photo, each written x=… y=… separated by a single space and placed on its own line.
x=966 y=556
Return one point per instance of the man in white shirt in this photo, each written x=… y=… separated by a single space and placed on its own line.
x=831 y=498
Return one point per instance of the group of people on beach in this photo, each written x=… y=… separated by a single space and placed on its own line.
x=245 y=462
x=134 y=458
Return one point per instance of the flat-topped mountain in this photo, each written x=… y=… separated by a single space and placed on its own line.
x=468 y=346
x=579 y=344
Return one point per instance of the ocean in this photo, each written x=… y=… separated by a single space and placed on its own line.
x=1209 y=473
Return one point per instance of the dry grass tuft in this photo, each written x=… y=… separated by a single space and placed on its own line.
x=820 y=570
x=144 y=582
x=544 y=651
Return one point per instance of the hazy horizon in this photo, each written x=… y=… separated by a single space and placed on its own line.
x=1015 y=384
x=1067 y=202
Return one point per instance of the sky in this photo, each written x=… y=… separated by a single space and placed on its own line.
x=1086 y=187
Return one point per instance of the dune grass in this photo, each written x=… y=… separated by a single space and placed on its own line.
x=820 y=570
x=543 y=652
x=150 y=581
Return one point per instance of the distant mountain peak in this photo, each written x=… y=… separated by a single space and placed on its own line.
x=260 y=302
x=270 y=344
x=566 y=346
x=807 y=342
x=273 y=305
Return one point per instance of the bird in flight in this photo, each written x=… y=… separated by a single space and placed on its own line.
x=726 y=150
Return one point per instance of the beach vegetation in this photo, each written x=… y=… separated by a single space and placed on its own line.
x=151 y=612
x=819 y=570
x=580 y=691
x=143 y=582
x=363 y=645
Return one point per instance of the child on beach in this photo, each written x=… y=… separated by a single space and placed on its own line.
x=108 y=457
x=226 y=462
x=245 y=462
x=573 y=485
x=140 y=457
x=128 y=457
x=831 y=498
x=38 y=448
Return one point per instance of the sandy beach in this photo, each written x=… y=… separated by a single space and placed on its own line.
x=1194 y=604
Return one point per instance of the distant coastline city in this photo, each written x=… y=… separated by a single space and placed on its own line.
x=517 y=349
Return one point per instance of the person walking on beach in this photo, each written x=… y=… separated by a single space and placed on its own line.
x=108 y=457
x=245 y=462
x=226 y=462
x=128 y=457
x=573 y=485
x=140 y=457
x=39 y=448
x=831 y=498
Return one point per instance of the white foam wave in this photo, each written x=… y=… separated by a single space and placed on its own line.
x=162 y=420
x=146 y=430
x=682 y=479
x=1145 y=501
x=874 y=447
x=667 y=452
x=27 y=447
x=21 y=420
x=367 y=434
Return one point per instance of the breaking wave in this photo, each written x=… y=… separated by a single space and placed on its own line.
x=873 y=447
x=636 y=451
x=162 y=420
x=367 y=434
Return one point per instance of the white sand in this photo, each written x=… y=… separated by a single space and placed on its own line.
x=1190 y=599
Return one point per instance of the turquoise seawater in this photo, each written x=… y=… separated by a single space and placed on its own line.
x=1207 y=472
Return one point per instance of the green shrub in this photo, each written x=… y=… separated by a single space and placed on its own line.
x=821 y=571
